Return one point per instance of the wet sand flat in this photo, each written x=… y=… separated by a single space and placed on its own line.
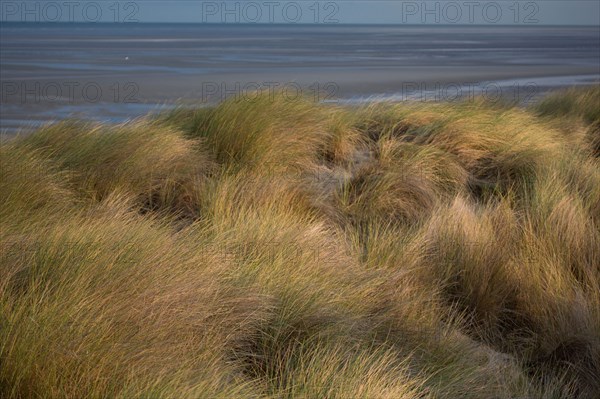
x=113 y=72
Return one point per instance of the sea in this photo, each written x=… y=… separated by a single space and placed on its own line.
x=114 y=72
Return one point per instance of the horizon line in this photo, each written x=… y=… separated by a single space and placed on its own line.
x=288 y=24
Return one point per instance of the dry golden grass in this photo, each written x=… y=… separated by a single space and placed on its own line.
x=276 y=249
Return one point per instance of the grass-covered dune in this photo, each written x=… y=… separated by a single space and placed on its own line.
x=277 y=249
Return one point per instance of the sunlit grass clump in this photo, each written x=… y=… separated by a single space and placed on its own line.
x=285 y=249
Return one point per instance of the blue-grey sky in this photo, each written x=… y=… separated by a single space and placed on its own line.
x=460 y=12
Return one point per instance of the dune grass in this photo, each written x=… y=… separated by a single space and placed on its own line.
x=277 y=249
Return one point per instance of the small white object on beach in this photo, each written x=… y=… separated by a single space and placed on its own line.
x=126 y=58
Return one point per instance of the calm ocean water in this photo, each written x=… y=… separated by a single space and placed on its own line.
x=112 y=72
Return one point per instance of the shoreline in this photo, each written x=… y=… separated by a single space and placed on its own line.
x=24 y=118
x=112 y=73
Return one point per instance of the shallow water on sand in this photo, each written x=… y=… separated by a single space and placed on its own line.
x=112 y=72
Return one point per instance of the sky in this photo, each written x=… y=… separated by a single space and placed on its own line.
x=446 y=12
